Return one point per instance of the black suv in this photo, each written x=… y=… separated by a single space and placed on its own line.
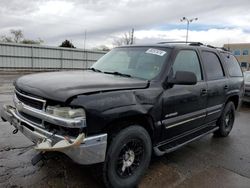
x=134 y=101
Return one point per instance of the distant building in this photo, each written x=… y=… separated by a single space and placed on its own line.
x=241 y=52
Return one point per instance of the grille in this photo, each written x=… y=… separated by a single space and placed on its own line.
x=29 y=101
x=31 y=118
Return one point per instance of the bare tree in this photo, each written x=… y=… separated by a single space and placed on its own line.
x=126 y=39
x=17 y=35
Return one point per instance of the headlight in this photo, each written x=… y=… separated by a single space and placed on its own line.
x=66 y=112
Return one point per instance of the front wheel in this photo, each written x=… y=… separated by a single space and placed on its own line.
x=226 y=121
x=128 y=157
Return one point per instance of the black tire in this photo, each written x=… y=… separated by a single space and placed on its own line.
x=226 y=121
x=128 y=157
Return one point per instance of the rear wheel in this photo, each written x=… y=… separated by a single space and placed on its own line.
x=128 y=157
x=226 y=120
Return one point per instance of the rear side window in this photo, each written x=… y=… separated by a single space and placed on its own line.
x=232 y=65
x=187 y=60
x=212 y=66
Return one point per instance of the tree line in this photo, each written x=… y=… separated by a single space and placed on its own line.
x=17 y=36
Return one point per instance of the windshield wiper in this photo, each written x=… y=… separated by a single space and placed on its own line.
x=93 y=69
x=118 y=73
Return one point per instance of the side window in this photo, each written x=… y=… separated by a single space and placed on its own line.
x=232 y=64
x=212 y=66
x=187 y=60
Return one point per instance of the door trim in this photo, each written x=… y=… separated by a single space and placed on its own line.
x=182 y=119
x=186 y=121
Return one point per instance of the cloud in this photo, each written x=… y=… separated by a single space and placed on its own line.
x=56 y=20
x=216 y=37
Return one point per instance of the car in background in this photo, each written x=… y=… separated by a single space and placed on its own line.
x=246 y=97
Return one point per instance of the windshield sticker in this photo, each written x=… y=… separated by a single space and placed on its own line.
x=155 y=52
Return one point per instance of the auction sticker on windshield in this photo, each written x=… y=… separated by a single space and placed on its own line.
x=155 y=52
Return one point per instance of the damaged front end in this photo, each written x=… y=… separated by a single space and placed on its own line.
x=25 y=118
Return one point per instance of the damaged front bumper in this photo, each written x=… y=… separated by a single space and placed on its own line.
x=82 y=150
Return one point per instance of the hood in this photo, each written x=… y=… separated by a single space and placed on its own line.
x=60 y=86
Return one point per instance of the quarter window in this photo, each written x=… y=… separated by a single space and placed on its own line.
x=212 y=66
x=232 y=64
x=187 y=60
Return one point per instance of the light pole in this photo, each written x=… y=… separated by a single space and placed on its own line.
x=188 y=22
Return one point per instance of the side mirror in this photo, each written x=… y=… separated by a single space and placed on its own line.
x=183 y=78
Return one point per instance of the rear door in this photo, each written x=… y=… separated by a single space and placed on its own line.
x=217 y=84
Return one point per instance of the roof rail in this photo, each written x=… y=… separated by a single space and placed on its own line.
x=223 y=49
x=181 y=42
x=194 y=44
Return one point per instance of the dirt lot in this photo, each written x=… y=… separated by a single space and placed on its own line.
x=209 y=162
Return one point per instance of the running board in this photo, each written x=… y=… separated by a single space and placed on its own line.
x=167 y=148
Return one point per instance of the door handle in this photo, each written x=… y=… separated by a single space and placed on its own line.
x=226 y=87
x=203 y=92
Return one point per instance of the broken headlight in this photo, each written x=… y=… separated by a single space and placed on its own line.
x=66 y=112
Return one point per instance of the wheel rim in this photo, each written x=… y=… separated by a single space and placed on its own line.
x=130 y=158
x=229 y=118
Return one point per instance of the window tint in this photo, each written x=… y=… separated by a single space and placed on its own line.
x=236 y=52
x=212 y=66
x=232 y=64
x=245 y=52
x=187 y=60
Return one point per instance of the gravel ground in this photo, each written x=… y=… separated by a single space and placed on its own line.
x=208 y=162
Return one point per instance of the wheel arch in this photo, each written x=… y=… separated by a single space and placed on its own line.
x=235 y=99
x=143 y=120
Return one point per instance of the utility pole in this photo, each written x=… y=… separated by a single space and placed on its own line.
x=188 y=22
x=85 y=36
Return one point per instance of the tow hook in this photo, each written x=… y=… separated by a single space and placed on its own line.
x=15 y=131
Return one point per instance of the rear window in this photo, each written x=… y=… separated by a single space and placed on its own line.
x=232 y=65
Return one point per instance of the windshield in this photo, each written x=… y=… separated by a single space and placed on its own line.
x=140 y=62
x=247 y=77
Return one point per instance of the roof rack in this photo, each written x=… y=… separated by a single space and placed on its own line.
x=182 y=42
x=193 y=44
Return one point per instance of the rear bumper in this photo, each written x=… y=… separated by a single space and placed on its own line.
x=89 y=150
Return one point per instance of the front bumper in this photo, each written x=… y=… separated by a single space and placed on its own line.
x=82 y=150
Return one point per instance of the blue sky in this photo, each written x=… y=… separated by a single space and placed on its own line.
x=106 y=20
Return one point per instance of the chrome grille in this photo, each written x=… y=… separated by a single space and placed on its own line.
x=31 y=101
